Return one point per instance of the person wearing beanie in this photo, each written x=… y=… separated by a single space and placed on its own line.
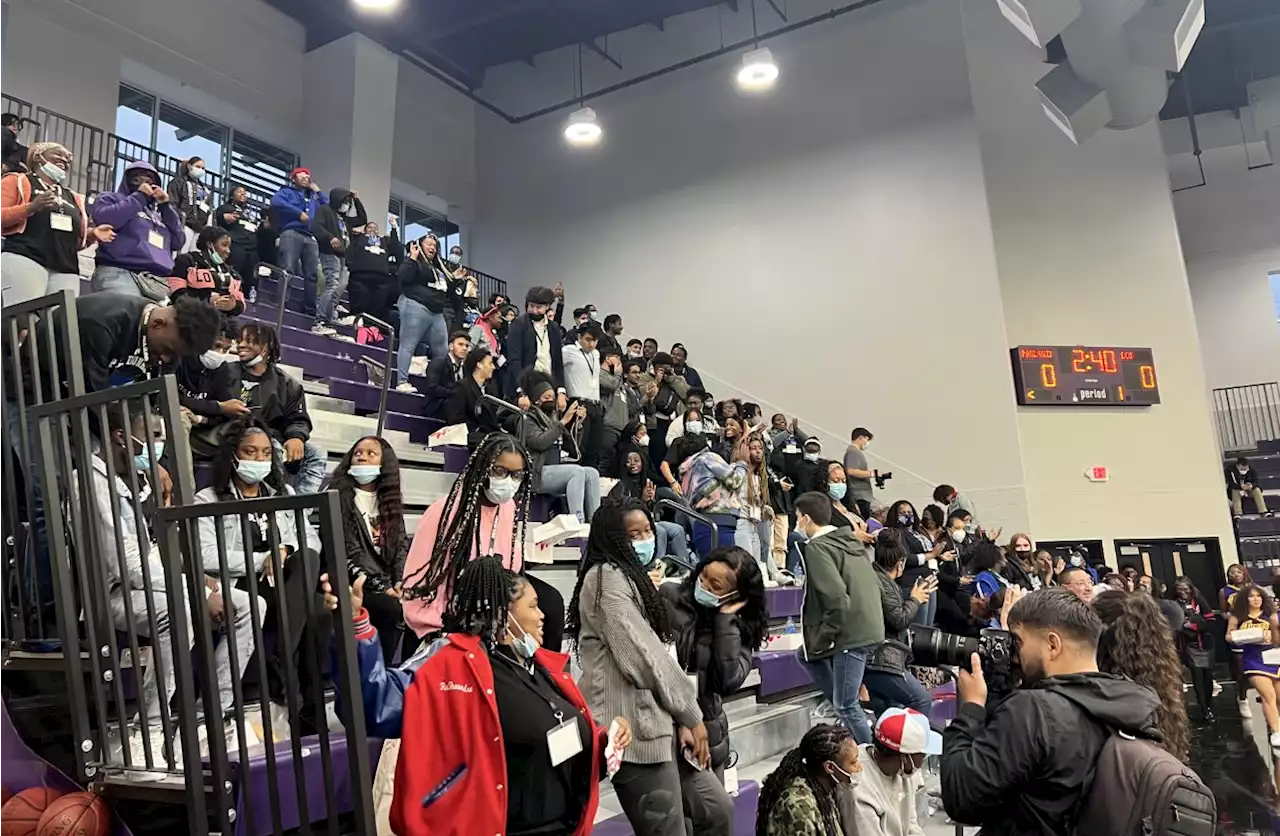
x=298 y=252
x=534 y=342
x=885 y=795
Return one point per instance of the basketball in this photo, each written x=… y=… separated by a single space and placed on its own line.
x=76 y=814
x=21 y=814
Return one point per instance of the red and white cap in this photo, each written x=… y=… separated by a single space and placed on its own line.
x=907 y=731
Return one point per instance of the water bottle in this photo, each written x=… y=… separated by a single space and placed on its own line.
x=790 y=626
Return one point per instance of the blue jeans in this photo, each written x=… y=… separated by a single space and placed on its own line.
x=671 y=541
x=726 y=531
x=896 y=690
x=924 y=615
x=839 y=678
x=335 y=281
x=299 y=255
x=795 y=544
x=417 y=321
x=113 y=280
x=580 y=486
x=307 y=472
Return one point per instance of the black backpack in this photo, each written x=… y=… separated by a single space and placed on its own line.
x=1139 y=789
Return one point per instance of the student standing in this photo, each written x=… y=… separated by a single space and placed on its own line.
x=333 y=227
x=190 y=197
x=295 y=207
x=241 y=221
x=582 y=383
x=373 y=260
x=426 y=294
x=859 y=474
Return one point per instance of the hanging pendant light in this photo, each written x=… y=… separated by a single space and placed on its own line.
x=758 y=72
x=583 y=130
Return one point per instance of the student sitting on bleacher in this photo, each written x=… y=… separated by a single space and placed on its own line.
x=204 y=391
x=206 y=273
x=635 y=483
x=148 y=232
x=800 y=797
x=248 y=469
x=544 y=435
x=368 y=484
x=467 y=405
x=444 y=374
x=278 y=401
x=123 y=463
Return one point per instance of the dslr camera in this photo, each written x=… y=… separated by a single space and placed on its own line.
x=881 y=478
x=996 y=649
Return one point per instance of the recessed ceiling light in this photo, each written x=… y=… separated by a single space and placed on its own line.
x=582 y=130
x=376 y=5
x=758 y=72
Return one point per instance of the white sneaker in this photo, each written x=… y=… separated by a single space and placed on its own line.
x=346 y=338
x=1217 y=688
x=1244 y=709
x=346 y=320
x=323 y=330
x=1275 y=740
x=824 y=711
x=407 y=388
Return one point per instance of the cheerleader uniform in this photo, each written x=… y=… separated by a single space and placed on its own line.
x=1251 y=663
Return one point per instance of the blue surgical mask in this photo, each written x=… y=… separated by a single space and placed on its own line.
x=365 y=473
x=836 y=490
x=54 y=173
x=215 y=256
x=811 y=457
x=644 y=550
x=706 y=597
x=251 y=472
x=153 y=453
x=906 y=519
x=524 y=645
x=693 y=427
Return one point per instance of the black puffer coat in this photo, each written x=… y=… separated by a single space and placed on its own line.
x=893 y=653
x=713 y=646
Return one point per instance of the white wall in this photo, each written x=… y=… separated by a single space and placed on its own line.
x=1088 y=254
x=825 y=249
x=435 y=139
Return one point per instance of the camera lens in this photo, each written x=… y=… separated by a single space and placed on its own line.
x=931 y=647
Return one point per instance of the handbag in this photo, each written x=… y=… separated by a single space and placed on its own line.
x=150 y=286
x=1199 y=657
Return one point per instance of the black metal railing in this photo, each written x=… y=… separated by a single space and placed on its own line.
x=390 y=339
x=486 y=286
x=1245 y=415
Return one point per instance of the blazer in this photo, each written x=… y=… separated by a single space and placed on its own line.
x=522 y=352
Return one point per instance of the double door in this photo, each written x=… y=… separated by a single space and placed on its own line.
x=1168 y=560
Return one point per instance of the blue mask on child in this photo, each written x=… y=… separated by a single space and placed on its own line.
x=644 y=550
x=837 y=489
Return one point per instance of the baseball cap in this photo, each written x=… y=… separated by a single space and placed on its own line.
x=907 y=731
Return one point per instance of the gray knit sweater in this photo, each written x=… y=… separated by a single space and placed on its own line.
x=627 y=671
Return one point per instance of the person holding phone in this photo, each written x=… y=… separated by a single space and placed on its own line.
x=889 y=682
x=543 y=435
x=922 y=554
x=719 y=619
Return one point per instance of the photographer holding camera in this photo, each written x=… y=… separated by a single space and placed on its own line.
x=1026 y=764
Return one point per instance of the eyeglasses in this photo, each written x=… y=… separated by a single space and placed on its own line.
x=497 y=471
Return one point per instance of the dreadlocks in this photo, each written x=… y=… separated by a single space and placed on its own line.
x=260 y=333
x=819 y=745
x=481 y=596
x=460 y=520
x=609 y=543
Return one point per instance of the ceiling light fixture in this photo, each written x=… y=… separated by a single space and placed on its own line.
x=759 y=72
x=582 y=130
x=376 y=5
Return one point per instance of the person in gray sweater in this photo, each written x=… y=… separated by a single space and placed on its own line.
x=622 y=629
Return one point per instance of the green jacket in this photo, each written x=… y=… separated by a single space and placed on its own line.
x=841 y=596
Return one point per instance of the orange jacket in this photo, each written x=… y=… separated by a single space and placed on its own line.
x=15 y=194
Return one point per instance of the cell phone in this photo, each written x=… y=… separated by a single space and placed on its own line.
x=690 y=758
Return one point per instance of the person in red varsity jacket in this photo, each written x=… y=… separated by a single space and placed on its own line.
x=495 y=736
x=206 y=272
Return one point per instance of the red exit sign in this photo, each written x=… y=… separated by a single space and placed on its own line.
x=1098 y=473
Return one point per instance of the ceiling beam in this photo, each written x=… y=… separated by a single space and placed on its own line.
x=733 y=5
x=590 y=44
x=778 y=11
x=495 y=12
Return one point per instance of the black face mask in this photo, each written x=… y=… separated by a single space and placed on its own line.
x=548 y=408
x=537 y=317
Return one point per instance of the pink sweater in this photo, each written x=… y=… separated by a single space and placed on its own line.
x=423 y=617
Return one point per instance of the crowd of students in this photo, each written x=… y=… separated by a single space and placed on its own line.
x=669 y=604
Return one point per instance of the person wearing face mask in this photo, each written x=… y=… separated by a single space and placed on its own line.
x=888 y=679
x=335 y=224
x=1021 y=567
x=859 y=473
x=190 y=196
x=543 y=434
x=487 y=329
x=689 y=443
x=622 y=629
x=293 y=208
x=712 y=485
x=923 y=554
x=802 y=797
x=719 y=618
x=123 y=466
x=885 y=798
x=994 y=758
x=368 y=484
x=485 y=513
x=808 y=471
x=635 y=349
x=427 y=302
x=205 y=273
x=44 y=226
x=247 y=468
x=693 y=400
x=148 y=230
x=491 y=673
x=620 y=403
x=206 y=392
x=841 y=617
x=241 y=221
x=534 y=342
x=634 y=483
x=13 y=157
x=373 y=260
x=1242 y=481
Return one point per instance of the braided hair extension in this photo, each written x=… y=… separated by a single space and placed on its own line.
x=390 y=495
x=609 y=543
x=819 y=745
x=460 y=520
x=480 y=601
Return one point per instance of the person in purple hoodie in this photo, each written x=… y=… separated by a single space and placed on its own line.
x=148 y=231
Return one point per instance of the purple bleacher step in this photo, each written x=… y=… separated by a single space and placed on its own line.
x=781 y=671
x=303 y=338
x=1268 y=447
x=744 y=815
x=266 y=310
x=316 y=365
x=1257 y=526
x=784 y=601
x=419 y=427
x=365 y=396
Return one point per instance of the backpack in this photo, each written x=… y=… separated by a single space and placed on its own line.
x=1139 y=789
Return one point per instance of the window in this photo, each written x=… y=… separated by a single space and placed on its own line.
x=1275 y=293
x=135 y=115
x=259 y=166
x=416 y=222
x=181 y=135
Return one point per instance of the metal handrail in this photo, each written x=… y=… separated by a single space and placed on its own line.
x=694 y=515
x=386 y=374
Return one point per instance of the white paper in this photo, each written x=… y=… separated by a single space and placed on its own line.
x=249 y=226
x=540 y=543
x=731 y=780
x=1271 y=657
x=452 y=434
x=612 y=757
x=1253 y=635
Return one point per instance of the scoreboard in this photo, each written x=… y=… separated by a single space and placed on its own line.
x=1060 y=375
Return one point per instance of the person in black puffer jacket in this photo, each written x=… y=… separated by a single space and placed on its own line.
x=719 y=619
x=887 y=678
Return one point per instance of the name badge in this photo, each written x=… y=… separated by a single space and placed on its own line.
x=564 y=742
x=731 y=780
x=60 y=221
x=693 y=680
x=204 y=207
x=155 y=239
x=376 y=250
x=249 y=226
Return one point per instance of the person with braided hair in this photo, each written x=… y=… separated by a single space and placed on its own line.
x=622 y=628
x=799 y=798
x=485 y=513
x=495 y=737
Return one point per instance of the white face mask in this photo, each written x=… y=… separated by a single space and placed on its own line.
x=255 y=361
x=811 y=457
x=455 y=258
x=643 y=441
x=212 y=359
x=502 y=490
x=349 y=210
x=1243 y=468
x=959 y=535
x=850 y=779
x=196 y=173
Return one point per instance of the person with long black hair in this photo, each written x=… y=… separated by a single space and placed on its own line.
x=247 y=468
x=190 y=198
x=622 y=627
x=799 y=797
x=1195 y=642
x=368 y=484
x=485 y=513
x=719 y=618
x=1253 y=609
x=923 y=553
x=530 y=755
x=241 y=222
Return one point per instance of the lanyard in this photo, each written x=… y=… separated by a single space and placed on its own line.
x=493 y=535
x=39 y=186
x=586 y=358
x=533 y=673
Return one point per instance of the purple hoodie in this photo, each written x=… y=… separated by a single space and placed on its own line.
x=135 y=217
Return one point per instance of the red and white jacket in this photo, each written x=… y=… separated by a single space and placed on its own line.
x=452 y=773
